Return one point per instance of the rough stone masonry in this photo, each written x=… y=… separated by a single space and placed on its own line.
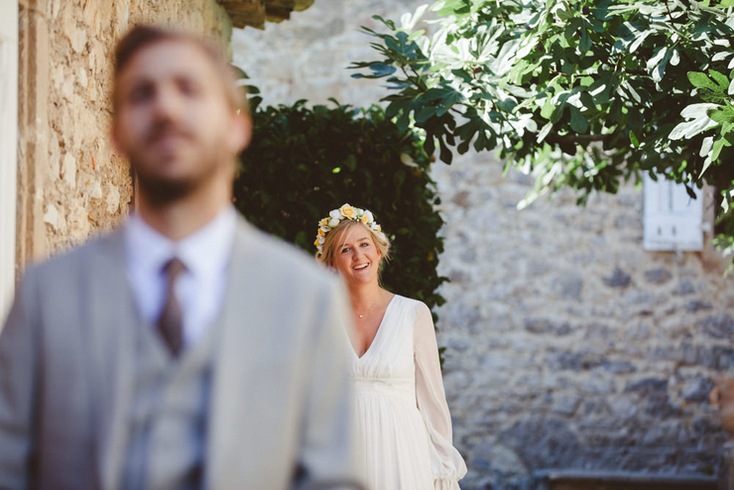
x=569 y=346
x=71 y=183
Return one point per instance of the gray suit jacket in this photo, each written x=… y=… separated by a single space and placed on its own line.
x=279 y=405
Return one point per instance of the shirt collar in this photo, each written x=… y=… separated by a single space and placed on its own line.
x=204 y=252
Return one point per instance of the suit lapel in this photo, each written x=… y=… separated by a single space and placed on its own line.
x=232 y=364
x=111 y=335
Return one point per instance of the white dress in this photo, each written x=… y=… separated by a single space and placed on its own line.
x=403 y=426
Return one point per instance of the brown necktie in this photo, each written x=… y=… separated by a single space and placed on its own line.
x=170 y=323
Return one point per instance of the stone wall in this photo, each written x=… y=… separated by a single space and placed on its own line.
x=71 y=181
x=306 y=57
x=569 y=346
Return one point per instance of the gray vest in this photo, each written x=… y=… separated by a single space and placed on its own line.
x=167 y=423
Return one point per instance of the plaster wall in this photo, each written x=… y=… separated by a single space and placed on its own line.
x=8 y=149
x=71 y=183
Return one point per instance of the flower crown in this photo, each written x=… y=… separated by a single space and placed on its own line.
x=336 y=216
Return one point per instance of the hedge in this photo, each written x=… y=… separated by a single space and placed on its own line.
x=303 y=162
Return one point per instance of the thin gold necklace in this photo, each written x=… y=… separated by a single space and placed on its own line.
x=367 y=311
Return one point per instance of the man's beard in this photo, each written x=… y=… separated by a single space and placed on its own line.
x=160 y=190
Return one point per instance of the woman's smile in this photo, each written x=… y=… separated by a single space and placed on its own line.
x=356 y=255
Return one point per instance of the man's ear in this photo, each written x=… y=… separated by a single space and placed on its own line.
x=241 y=130
x=115 y=136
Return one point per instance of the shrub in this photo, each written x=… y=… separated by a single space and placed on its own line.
x=304 y=162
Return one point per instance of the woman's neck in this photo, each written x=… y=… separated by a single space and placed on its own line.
x=365 y=296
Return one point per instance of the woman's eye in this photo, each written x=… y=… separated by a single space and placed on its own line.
x=345 y=250
x=364 y=244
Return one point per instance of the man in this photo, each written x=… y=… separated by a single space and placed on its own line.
x=185 y=350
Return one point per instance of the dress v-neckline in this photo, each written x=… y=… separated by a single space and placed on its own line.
x=377 y=334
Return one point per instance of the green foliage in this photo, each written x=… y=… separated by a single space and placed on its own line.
x=715 y=113
x=304 y=162
x=582 y=94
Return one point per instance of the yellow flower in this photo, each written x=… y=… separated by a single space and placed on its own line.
x=321 y=232
x=324 y=222
x=365 y=219
x=316 y=243
x=347 y=211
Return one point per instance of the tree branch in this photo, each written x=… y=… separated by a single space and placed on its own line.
x=578 y=138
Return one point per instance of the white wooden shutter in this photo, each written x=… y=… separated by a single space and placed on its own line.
x=673 y=220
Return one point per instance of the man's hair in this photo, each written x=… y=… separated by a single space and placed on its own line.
x=143 y=36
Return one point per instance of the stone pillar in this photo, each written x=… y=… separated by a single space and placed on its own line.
x=33 y=125
x=71 y=184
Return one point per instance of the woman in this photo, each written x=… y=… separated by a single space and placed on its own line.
x=402 y=422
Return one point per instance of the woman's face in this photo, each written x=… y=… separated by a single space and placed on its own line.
x=356 y=257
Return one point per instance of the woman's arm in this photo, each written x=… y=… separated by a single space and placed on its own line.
x=447 y=465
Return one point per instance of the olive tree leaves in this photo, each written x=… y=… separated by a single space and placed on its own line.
x=582 y=94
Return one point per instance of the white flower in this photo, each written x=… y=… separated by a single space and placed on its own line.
x=408 y=160
x=346 y=211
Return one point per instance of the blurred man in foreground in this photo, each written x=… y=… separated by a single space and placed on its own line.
x=186 y=349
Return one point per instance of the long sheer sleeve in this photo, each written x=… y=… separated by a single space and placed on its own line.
x=447 y=465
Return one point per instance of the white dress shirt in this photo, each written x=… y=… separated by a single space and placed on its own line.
x=199 y=289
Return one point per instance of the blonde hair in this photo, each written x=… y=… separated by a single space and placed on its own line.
x=334 y=239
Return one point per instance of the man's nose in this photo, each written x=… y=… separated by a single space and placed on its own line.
x=167 y=103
